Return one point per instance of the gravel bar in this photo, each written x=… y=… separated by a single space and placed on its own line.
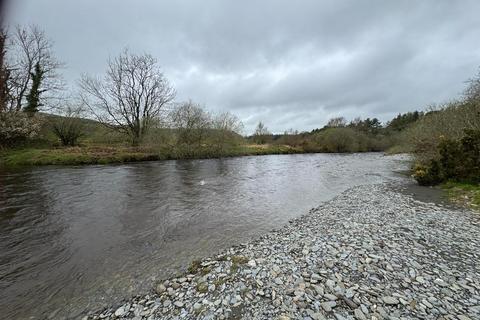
x=370 y=253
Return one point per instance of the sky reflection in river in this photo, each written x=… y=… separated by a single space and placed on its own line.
x=77 y=237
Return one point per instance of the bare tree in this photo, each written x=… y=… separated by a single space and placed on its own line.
x=472 y=92
x=225 y=121
x=32 y=58
x=261 y=133
x=261 y=129
x=337 y=122
x=227 y=128
x=191 y=121
x=69 y=126
x=131 y=95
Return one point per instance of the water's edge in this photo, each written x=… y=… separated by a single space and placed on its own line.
x=110 y=232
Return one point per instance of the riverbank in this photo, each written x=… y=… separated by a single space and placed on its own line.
x=464 y=194
x=121 y=154
x=370 y=253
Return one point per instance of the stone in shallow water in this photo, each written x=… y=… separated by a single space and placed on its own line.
x=160 y=288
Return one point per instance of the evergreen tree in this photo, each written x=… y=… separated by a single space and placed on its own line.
x=33 y=97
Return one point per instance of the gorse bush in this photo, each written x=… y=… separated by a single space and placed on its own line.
x=458 y=160
x=16 y=127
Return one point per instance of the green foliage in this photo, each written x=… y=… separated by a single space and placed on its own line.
x=428 y=175
x=33 y=97
x=403 y=121
x=458 y=160
x=368 y=126
x=463 y=193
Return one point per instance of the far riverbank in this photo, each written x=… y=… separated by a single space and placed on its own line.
x=121 y=154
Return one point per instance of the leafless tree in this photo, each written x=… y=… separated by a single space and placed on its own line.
x=131 y=95
x=31 y=53
x=191 y=122
x=227 y=128
x=69 y=126
x=225 y=121
x=472 y=92
x=261 y=133
x=337 y=122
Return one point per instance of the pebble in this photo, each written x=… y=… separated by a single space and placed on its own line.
x=327 y=306
x=390 y=300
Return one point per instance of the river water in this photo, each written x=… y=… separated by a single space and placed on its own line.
x=78 y=238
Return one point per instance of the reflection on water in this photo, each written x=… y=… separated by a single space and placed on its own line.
x=77 y=238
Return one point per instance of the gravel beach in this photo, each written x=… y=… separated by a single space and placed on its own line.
x=372 y=252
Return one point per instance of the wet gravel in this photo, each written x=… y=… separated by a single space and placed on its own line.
x=370 y=253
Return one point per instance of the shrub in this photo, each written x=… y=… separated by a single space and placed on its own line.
x=428 y=175
x=16 y=127
x=349 y=140
x=68 y=129
x=458 y=160
x=450 y=120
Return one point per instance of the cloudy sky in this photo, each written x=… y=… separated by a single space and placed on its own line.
x=291 y=64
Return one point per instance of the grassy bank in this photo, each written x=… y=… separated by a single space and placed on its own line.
x=119 y=154
x=465 y=194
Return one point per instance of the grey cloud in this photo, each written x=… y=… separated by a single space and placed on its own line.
x=288 y=63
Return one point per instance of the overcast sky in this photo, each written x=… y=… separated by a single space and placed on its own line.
x=291 y=64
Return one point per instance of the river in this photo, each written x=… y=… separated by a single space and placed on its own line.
x=78 y=238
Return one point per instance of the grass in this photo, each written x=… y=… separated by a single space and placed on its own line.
x=102 y=154
x=465 y=194
x=195 y=266
x=75 y=156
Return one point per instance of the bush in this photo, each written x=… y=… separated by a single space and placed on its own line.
x=348 y=140
x=68 y=129
x=450 y=120
x=428 y=175
x=458 y=160
x=16 y=127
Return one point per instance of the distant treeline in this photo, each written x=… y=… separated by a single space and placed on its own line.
x=339 y=135
x=133 y=108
